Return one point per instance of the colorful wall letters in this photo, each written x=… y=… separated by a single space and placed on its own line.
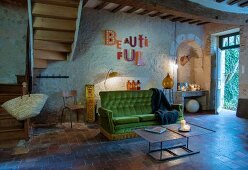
x=130 y=55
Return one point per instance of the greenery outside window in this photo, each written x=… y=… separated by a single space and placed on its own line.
x=229 y=41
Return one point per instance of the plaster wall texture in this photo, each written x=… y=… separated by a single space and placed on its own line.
x=13 y=29
x=93 y=59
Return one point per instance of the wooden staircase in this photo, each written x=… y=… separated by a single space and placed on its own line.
x=10 y=127
x=54 y=29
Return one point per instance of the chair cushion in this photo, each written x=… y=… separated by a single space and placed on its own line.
x=125 y=120
x=146 y=117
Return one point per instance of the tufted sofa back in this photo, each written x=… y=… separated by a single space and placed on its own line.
x=126 y=103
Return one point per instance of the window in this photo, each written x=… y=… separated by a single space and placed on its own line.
x=229 y=41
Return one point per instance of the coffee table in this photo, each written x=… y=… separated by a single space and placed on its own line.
x=171 y=134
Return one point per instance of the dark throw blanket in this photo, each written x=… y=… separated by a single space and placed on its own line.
x=162 y=108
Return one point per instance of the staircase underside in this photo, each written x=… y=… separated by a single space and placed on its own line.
x=54 y=25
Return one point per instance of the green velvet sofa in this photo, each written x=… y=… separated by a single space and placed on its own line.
x=122 y=111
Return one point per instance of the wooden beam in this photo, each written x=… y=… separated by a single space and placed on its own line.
x=49 y=55
x=155 y=14
x=54 y=24
x=117 y=8
x=194 y=22
x=68 y=3
x=203 y=23
x=219 y=1
x=39 y=63
x=56 y=36
x=244 y=4
x=132 y=10
x=186 y=9
x=144 y=12
x=54 y=11
x=186 y=20
x=232 y=2
x=177 y=19
x=166 y=16
x=101 y=5
x=51 y=46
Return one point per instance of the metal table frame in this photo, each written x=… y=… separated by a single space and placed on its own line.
x=185 y=147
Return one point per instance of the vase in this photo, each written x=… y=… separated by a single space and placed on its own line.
x=168 y=82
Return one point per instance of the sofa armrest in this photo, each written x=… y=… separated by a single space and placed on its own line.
x=179 y=108
x=106 y=121
x=105 y=112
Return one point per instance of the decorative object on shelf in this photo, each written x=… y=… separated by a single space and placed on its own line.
x=168 y=82
x=138 y=85
x=90 y=102
x=110 y=74
x=134 y=55
x=194 y=87
x=192 y=106
x=134 y=85
x=129 y=84
x=182 y=86
x=184 y=60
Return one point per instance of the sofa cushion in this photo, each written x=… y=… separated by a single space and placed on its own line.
x=146 y=117
x=125 y=120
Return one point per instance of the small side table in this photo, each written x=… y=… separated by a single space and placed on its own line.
x=169 y=93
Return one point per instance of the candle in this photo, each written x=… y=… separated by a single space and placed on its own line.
x=183 y=123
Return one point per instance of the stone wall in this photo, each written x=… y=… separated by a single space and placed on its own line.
x=242 y=110
x=93 y=59
x=13 y=29
x=210 y=50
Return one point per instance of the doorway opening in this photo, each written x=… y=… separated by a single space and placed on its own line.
x=228 y=72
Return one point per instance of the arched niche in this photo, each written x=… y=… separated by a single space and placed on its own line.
x=190 y=63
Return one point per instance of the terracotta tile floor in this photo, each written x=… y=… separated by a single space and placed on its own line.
x=84 y=148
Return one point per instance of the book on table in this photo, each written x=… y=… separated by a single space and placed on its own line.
x=156 y=129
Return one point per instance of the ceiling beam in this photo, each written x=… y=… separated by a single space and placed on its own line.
x=190 y=10
x=166 y=16
x=186 y=20
x=132 y=10
x=177 y=19
x=118 y=8
x=244 y=4
x=232 y=2
x=202 y=23
x=144 y=12
x=194 y=22
x=101 y=5
x=155 y=14
x=219 y=1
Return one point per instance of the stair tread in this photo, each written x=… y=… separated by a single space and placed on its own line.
x=54 y=11
x=71 y=3
x=10 y=94
x=7 y=117
x=12 y=129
